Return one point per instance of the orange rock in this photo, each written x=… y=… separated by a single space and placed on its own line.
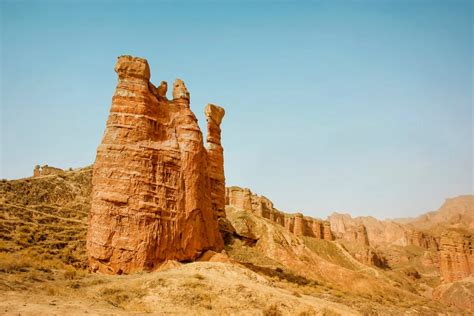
x=152 y=195
x=213 y=256
x=46 y=171
x=295 y=223
x=420 y=239
x=456 y=255
x=214 y=115
x=168 y=265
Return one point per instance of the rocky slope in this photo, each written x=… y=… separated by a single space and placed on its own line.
x=157 y=192
x=45 y=217
x=276 y=271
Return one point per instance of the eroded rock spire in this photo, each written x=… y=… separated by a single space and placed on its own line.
x=152 y=184
x=214 y=115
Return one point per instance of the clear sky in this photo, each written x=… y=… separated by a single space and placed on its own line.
x=356 y=106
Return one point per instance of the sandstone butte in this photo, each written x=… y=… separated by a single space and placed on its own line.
x=157 y=191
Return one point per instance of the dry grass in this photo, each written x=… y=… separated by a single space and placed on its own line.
x=46 y=217
x=43 y=224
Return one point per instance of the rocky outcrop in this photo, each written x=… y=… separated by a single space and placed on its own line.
x=368 y=230
x=153 y=178
x=356 y=234
x=456 y=255
x=421 y=239
x=378 y=232
x=214 y=115
x=243 y=198
x=46 y=171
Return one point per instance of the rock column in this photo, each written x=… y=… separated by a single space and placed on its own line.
x=214 y=115
x=151 y=194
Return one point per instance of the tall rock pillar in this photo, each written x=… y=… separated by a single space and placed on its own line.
x=215 y=152
x=151 y=190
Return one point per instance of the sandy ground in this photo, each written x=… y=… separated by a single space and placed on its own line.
x=200 y=288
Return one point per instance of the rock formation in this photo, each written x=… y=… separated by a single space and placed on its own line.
x=421 y=239
x=377 y=232
x=152 y=196
x=46 y=171
x=457 y=212
x=456 y=255
x=297 y=224
x=214 y=115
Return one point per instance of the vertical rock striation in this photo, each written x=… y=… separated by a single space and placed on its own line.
x=152 y=196
x=214 y=115
x=456 y=255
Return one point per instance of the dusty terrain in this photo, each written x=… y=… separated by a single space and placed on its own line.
x=265 y=269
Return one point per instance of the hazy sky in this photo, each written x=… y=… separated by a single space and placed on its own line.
x=356 y=106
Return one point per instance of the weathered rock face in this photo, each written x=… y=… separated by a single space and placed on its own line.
x=420 y=239
x=152 y=196
x=297 y=224
x=214 y=115
x=378 y=232
x=456 y=255
x=368 y=230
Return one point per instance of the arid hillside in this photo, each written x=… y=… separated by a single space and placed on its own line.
x=265 y=269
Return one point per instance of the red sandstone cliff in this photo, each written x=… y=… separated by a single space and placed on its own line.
x=456 y=255
x=296 y=223
x=375 y=232
x=152 y=197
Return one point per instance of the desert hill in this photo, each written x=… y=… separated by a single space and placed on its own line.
x=266 y=268
x=456 y=212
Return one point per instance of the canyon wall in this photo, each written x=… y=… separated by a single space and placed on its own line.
x=295 y=223
x=153 y=179
x=456 y=255
x=375 y=232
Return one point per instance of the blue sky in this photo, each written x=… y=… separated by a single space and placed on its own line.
x=356 y=106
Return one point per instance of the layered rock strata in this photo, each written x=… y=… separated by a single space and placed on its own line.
x=295 y=223
x=456 y=255
x=421 y=239
x=152 y=196
x=369 y=230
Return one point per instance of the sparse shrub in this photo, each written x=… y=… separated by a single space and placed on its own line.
x=309 y=312
x=272 y=310
x=297 y=294
x=199 y=276
x=10 y=263
x=115 y=297
x=240 y=287
x=70 y=274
